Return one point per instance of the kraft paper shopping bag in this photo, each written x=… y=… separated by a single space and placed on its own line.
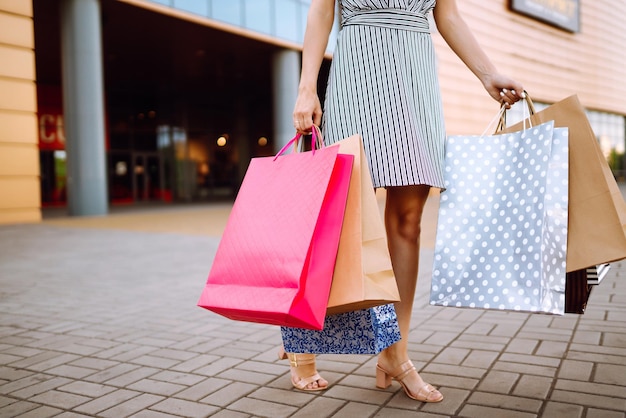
x=597 y=212
x=363 y=275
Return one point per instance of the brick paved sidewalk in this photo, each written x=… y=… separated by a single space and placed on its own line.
x=98 y=318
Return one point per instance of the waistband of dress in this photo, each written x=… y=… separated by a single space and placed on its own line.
x=389 y=18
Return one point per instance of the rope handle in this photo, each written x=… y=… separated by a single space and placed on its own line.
x=502 y=114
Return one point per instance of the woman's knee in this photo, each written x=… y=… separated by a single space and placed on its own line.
x=406 y=225
x=403 y=212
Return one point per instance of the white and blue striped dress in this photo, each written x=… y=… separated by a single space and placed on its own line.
x=383 y=85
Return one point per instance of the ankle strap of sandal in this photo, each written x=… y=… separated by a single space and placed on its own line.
x=296 y=359
x=404 y=369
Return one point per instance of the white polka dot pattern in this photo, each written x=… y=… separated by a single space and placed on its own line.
x=502 y=229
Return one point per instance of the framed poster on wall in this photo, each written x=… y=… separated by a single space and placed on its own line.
x=564 y=14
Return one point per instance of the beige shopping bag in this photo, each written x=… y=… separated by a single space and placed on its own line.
x=597 y=212
x=363 y=276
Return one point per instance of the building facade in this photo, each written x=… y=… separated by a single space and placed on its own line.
x=107 y=102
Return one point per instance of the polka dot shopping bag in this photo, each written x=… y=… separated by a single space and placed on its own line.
x=502 y=227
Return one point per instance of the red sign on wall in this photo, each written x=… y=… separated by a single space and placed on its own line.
x=51 y=131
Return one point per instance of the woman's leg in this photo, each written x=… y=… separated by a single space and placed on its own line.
x=403 y=216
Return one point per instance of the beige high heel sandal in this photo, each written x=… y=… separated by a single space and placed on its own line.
x=297 y=361
x=426 y=392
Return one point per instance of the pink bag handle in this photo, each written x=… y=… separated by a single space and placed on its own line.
x=315 y=135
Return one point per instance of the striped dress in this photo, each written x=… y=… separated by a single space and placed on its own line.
x=383 y=85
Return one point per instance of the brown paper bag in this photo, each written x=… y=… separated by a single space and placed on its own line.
x=597 y=212
x=363 y=276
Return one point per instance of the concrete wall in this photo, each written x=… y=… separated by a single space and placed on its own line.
x=19 y=153
x=551 y=63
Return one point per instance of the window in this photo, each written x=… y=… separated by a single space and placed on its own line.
x=199 y=7
x=228 y=11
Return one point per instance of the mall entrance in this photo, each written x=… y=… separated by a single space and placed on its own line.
x=186 y=106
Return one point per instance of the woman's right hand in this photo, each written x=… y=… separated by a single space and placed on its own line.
x=307 y=111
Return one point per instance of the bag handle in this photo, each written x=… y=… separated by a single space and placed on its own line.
x=316 y=139
x=502 y=114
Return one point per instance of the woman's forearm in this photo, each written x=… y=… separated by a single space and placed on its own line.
x=319 y=24
x=458 y=36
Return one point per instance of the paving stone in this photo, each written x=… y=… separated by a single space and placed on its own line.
x=17 y=409
x=179 y=407
x=260 y=408
x=149 y=413
x=267 y=368
x=41 y=412
x=131 y=377
x=185 y=379
x=217 y=367
x=70 y=415
x=37 y=388
x=179 y=355
x=92 y=390
x=347 y=393
x=60 y=399
x=596 y=358
x=505 y=402
x=524 y=368
x=599 y=349
x=485 y=339
x=557 y=409
x=195 y=363
x=349 y=410
x=452 y=356
x=604 y=413
x=441 y=338
x=11 y=374
x=8 y=358
x=156 y=362
x=224 y=413
x=229 y=394
x=476 y=411
x=69 y=371
x=576 y=370
x=94 y=363
x=320 y=407
x=531 y=360
x=506 y=330
x=132 y=406
x=202 y=389
x=585 y=399
x=587 y=337
x=106 y=401
x=498 y=382
x=533 y=387
x=111 y=373
x=459 y=371
x=156 y=387
x=246 y=376
x=611 y=374
x=588 y=387
x=611 y=339
x=480 y=358
x=130 y=355
x=289 y=397
x=4 y=401
x=442 y=380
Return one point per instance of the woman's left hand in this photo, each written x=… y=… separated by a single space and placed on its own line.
x=504 y=89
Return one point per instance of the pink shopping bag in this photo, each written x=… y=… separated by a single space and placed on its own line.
x=275 y=261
